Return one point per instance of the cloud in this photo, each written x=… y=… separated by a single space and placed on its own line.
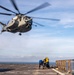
x=52 y=40
x=33 y=43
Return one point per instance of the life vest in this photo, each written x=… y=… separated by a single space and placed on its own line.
x=47 y=59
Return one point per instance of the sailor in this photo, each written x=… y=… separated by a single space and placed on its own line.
x=46 y=62
x=40 y=63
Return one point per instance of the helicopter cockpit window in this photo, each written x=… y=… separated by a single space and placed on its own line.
x=11 y=22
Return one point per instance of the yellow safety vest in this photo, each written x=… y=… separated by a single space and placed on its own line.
x=47 y=60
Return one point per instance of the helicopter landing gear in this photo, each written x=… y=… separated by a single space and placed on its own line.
x=20 y=34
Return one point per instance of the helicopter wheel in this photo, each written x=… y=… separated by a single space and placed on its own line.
x=20 y=34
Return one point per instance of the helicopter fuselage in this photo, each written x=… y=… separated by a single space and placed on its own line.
x=19 y=23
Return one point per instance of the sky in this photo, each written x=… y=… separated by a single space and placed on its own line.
x=54 y=40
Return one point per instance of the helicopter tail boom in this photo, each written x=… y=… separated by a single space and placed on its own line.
x=3 y=28
x=3 y=24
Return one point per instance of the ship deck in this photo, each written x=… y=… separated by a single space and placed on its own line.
x=25 y=69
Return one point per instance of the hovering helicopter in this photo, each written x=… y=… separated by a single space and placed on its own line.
x=21 y=23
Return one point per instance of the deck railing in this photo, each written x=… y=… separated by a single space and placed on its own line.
x=65 y=65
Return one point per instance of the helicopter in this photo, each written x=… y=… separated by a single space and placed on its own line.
x=21 y=22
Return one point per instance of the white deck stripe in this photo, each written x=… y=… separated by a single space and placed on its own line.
x=58 y=72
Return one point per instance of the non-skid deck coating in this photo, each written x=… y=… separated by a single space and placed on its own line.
x=24 y=69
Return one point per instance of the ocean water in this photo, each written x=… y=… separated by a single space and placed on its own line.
x=51 y=63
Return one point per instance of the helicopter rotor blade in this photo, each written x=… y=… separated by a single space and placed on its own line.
x=7 y=9
x=38 y=24
x=46 y=18
x=39 y=7
x=6 y=14
x=15 y=6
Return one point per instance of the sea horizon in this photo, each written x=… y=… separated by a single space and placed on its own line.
x=51 y=63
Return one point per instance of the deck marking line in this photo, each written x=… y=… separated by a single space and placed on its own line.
x=58 y=72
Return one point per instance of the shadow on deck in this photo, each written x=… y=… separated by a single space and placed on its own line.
x=4 y=70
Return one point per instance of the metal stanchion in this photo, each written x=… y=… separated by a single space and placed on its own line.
x=72 y=67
